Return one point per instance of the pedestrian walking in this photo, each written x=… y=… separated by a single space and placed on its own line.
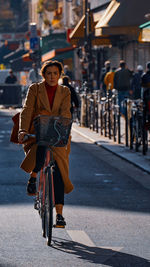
x=67 y=71
x=146 y=95
x=146 y=77
x=74 y=97
x=47 y=98
x=136 y=83
x=109 y=79
x=11 y=78
x=34 y=75
x=106 y=69
x=122 y=82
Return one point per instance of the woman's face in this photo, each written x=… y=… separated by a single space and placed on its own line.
x=52 y=75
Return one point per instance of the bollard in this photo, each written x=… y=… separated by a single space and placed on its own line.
x=96 y=116
x=109 y=117
x=126 y=121
x=119 y=132
x=83 y=110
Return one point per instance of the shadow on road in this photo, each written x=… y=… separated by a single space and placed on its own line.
x=97 y=255
x=100 y=184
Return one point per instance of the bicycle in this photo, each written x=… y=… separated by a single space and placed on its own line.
x=51 y=132
x=138 y=134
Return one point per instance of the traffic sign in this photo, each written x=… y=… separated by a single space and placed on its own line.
x=34 y=43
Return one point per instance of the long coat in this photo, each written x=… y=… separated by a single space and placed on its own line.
x=36 y=103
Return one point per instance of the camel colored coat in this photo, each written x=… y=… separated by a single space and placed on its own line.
x=36 y=103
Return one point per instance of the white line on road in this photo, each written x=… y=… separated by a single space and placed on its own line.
x=103 y=174
x=80 y=237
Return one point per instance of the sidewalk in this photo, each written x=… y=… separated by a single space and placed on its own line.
x=136 y=158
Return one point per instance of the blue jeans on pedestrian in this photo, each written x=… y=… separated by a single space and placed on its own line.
x=121 y=96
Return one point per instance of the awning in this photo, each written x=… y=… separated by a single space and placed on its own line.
x=15 y=54
x=118 y=18
x=78 y=34
x=59 y=54
x=110 y=11
x=144 y=32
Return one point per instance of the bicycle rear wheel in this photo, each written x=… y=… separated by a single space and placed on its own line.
x=48 y=206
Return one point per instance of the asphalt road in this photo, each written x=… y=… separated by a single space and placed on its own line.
x=107 y=214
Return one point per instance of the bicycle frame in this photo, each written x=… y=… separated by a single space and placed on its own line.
x=41 y=199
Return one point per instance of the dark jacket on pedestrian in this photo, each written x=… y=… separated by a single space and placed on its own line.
x=122 y=79
x=136 y=85
x=146 y=79
x=104 y=71
x=74 y=97
x=11 y=79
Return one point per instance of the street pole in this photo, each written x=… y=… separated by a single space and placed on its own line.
x=90 y=49
x=88 y=43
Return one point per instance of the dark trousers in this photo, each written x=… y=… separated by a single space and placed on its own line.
x=58 y=182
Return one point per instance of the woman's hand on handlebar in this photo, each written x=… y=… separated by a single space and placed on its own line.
x=21 y=136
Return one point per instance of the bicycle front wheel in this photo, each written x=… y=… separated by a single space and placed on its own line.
x=48 y=206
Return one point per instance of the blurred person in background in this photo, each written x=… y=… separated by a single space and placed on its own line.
x=104 y=71
x=67 y=72
x=74 y=97
x=109 y=79
x=34 y=75
x=11 y=78
x=122 y=83
x=136 y=82
x=145 y=94
x=146 y=77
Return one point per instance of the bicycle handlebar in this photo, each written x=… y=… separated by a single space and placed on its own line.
x=28 y=136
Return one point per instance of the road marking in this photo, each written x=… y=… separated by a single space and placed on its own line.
x=103 y=174
x=4 y=132
x=80 y=237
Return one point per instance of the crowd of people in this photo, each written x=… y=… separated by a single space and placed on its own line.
x=128 y=83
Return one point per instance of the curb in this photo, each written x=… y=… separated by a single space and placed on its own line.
x=120 y=155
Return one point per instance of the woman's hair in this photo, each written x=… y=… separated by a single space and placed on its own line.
x=51 y=63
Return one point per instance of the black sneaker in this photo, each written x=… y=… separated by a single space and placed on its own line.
x=60 y=221
x=31 y=186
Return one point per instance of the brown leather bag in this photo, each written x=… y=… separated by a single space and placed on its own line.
x=15 y=129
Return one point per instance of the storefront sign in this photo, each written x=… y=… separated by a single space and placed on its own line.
x=145 y=35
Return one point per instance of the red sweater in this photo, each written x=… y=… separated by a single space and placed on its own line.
x=51 y=90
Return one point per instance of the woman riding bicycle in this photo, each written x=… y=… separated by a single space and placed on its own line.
x=47 y=98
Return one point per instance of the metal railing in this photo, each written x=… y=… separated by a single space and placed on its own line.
x=102 y=114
